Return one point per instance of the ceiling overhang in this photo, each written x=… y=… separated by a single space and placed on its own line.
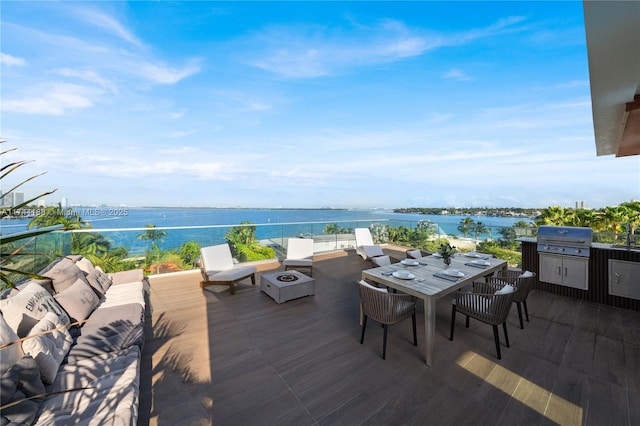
x=613 y=47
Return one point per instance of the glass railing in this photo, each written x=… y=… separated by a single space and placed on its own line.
x=136 y=247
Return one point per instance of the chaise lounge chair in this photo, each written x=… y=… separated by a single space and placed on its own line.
x=365 y=246
x=299 y=254
x=217 y=268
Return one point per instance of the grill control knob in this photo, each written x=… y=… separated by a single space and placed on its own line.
x=562 y=249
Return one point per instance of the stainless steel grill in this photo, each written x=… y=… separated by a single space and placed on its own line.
x=568 y=240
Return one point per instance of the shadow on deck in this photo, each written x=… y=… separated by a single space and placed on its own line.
x=213 y=358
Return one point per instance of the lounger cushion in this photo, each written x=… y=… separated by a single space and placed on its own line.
x=23 y=310
x=297 y=262
x=48 y=344
x=124 y=277
x=108 y=330
x=21 y=381
x=123 y=294
x=111 y=394
x=10 y=354
x=232 y=274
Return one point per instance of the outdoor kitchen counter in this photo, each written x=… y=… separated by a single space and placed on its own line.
x=598 y=275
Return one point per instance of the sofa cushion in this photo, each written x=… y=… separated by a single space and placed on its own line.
x=110 y=396
x=48 y=344
x=79 y=300
x=23 y=310
x=123 y=277
x=108 y=330
x=64 y=273
x=9 y=354
x=21 y=381
x=124 y=294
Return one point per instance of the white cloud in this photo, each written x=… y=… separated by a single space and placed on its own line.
x=308 y=52
x=53 y=99
x=102 y=20
x=457 y=74
x=87 y=75
x=162 y=74
x=11 y=61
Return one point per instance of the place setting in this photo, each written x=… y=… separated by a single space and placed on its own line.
x=450 y=274
x=479 y=263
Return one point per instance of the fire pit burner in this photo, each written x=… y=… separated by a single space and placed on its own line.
x=287 y=278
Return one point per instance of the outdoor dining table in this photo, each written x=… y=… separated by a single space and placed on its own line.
x=430 y=284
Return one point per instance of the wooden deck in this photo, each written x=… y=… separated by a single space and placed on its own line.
x=213 y=358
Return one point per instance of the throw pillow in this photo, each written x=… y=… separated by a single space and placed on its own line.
x=526 y=274
x=366 y=284
x=48 y=345
x=94 y=282
x=78 y=301
x=10 y=354
x=29 y=306
x=507 y=289
x=85 y=265
x=414 y=254
x=64 y=273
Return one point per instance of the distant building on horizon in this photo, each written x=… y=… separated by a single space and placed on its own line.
x=581 y=205
x=12 y=199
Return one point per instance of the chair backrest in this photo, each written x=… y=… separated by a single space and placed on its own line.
x=414 y=254
x=299 y=248
x=522 y=281
x=216 y=258
x=385 y=307
x=381 y=260
x=363 y=237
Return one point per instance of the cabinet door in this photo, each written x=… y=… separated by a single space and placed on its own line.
x=575 y=273
x=624 y=278
x=551 y=269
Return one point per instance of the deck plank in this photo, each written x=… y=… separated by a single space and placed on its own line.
x=214 y=358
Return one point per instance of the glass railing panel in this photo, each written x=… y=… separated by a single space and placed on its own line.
x=179 y=247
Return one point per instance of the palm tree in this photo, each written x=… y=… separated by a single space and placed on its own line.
x=479 y=228
x=152 y=234
x=12 y=247
x=466 y=226
x=56 y=215
x=554 y=215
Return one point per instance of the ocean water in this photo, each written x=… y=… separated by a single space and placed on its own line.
x=208 y=226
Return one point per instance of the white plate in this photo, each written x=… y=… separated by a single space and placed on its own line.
x=453 y=272
x=404 y=277
x=481 y=262
x=436 y=255
x=410 y=262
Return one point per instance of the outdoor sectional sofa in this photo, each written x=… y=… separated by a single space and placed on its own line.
x=80 y=337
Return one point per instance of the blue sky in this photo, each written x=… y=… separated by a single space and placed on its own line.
x=305 y=104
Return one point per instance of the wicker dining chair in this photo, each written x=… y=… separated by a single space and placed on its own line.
x=387 y=309
x=381 y=261
x=488 y=302
x=523 y=282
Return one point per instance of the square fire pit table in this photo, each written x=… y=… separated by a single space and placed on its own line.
x=288 y=285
